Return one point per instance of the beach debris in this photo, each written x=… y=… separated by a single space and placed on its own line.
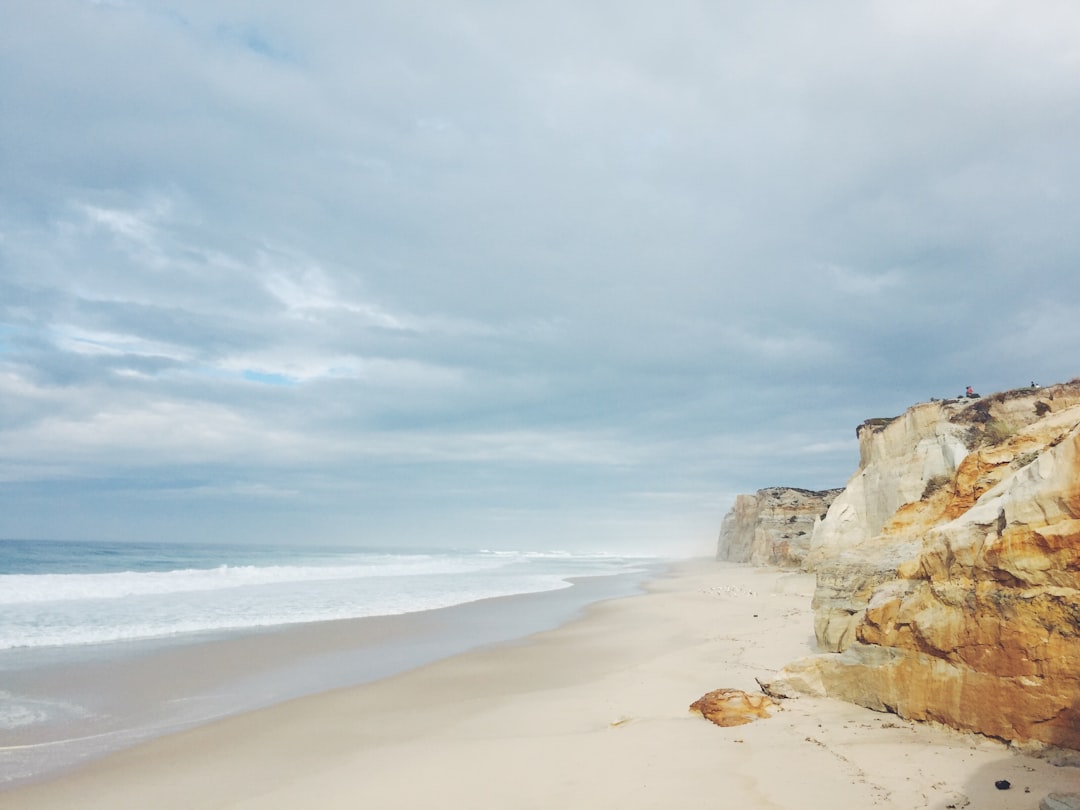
x=732 y=707
x=728 y=590
x=622 y=721
x=1003 y=784
x=778 y=689
x=1060 y=801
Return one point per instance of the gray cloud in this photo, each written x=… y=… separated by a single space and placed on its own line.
x=558 y=273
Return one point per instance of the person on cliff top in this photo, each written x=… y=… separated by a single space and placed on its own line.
x=970 y=394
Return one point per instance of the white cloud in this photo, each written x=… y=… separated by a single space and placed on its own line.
x=167 y=433
x=306 y=290
x=86 y=341
x=303 y=365
x=852 y=282
x=784 y=343
x=137 y=230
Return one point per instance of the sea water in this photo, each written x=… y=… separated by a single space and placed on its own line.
x=98 y=640
x=64 y=593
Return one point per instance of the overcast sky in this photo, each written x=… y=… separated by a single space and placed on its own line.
x=513 y=274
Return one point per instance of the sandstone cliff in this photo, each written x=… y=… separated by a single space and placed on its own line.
x=948 y=570
x=773 y=526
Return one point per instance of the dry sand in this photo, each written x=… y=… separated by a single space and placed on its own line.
x=591 y=715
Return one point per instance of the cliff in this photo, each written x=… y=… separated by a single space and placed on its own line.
x=948 y=569
x=773 y=526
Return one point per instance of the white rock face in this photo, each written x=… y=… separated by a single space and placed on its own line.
x=896 y=460
x=772 y=526
x=1060 y=801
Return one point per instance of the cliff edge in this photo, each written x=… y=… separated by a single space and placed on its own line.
x=773 y=526
x=948 y=569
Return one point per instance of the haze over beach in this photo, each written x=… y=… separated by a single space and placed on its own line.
x=557 y=276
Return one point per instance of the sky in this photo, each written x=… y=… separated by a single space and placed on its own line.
x=511 y=275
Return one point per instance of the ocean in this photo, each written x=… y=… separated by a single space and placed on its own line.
x=103 y=645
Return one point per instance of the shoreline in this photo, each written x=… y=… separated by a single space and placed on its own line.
x=591 y=713
x=108 y=697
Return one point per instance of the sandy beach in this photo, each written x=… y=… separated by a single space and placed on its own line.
x=592 y=714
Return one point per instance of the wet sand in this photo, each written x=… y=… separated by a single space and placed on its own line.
x=65 y=706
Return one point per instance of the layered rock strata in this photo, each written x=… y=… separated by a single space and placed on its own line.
x=948 y=570
x=774 y=526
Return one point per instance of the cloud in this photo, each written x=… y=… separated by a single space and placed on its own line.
x=851 y=282
x=310 y=290
x=82 y=341
x=420 y=269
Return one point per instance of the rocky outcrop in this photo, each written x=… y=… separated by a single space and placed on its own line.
x=948 y=571
x=1060 y=801
x=773 y=526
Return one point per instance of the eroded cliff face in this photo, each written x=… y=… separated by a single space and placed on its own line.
x=949 y=569
x=773 y=526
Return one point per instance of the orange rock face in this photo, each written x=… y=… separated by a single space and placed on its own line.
x=732 y=707
x=964 y=608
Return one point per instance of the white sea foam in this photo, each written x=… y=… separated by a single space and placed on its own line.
x=20 y=711
x=58 y=609
x=24 y=588
x=174 y=621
